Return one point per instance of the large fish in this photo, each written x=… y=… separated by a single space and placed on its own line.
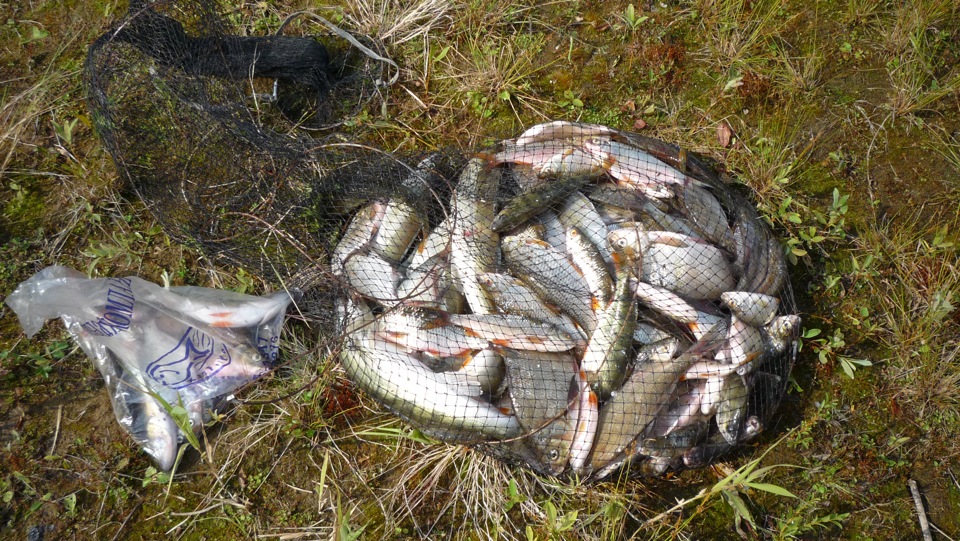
x=518 y=332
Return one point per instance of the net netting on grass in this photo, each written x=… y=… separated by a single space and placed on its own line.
x=573 y=299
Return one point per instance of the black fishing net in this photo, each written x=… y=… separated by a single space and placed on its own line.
x=573 y=299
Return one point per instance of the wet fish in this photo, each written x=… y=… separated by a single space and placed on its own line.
x=589 y=261
x=549 y=273
x=562 y=129
x=674 y=307
x=361 y=231
x=633 y=167
x=631 y=409
x=688 y=267
x=534 y=201
x=444 y=402
x=683 y=410
x=517 y=332
x=754 y=309
x=608 y=351
x=511 y=295
x=702 y=209
x=435 y=244
x=732 y=408
x=542 y=389
x=704 y=454
x=147 y=420
x=744 y=343
x=556 y=158
x=588 y=422
x=373 y=277
x=226 y=309
x=579 y=212
x=473 y=241
x=426 y=331
x=668 y=450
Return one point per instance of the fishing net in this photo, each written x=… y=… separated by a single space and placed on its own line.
x=573 y=299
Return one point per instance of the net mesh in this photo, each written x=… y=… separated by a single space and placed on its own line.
x=574 y=299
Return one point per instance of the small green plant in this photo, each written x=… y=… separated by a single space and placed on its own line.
x=827 y=350
x=65 y=131
x=43 y=362
x=570 y=101
x=632 y=19
x=153 y=476
x=513 y=496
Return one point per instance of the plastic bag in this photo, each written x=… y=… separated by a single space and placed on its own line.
x=158 y=348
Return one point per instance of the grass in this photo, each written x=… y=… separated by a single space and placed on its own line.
x=844 y=116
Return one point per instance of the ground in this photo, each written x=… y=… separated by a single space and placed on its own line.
x=842 y=116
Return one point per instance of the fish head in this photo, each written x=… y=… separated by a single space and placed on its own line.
x=629 y=241
x=551 y=446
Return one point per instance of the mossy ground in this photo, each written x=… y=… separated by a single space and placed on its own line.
x=845 y=97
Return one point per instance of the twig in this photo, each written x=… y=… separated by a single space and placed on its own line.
x=124 y=523
x=56 y=431
x=941 y=532
x=924 y=525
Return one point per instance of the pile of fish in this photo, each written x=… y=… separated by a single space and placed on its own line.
x=591 y=298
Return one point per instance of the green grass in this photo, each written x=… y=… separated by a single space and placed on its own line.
x=839 y=99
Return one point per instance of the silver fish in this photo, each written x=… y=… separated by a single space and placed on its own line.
x=473 y=241
x=361 y=231
x=744 y=343
x=608 y=351
x=732 y=408
x=754 y=309
x=680 y=263
x=548 y=272
x=425 y=331
x=517 y=332
x=219 y=308
x=511 y=295
x=633 y=167
x=444 y=402
x=434 y=244
x=564 y=158
x=147 y=420
x=579 y=212
x=589 y=261
x=534 y=201
x=676 y=308
x=562 y=129
x=588 y=422
x=702 y=209
x=631 y=409
x=373 y=277
x=542 y=389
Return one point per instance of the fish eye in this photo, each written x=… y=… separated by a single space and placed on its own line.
x=553 y=454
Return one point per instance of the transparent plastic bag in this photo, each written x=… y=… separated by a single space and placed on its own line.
x=158 y=348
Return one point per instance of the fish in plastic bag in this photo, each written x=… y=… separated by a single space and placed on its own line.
x=157 y=347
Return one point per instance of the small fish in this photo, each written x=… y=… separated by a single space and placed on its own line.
x=517 y=332
x=373 y=277
x=512 y=296
x=668 y=450
x=627 y=413
x=542 y=389
x=754 y=309
x=608 y=351
x=434 y=244
x=688 y=267
x=744 y=343
x=146 y=419
x=551 y=274
x=360 y=232
x=669 y=304
x=732 y=408
x=552 y=159
x=707 y=453
x=589 y=261
x=683 y=410
x=588 y=421
x=473 y=240
x=444 y=402
x=426 y=331
x=227 y=309
x=579 y=212
x=630 y=166
x=562 y=129
x=534 y=201
x=702 y=209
